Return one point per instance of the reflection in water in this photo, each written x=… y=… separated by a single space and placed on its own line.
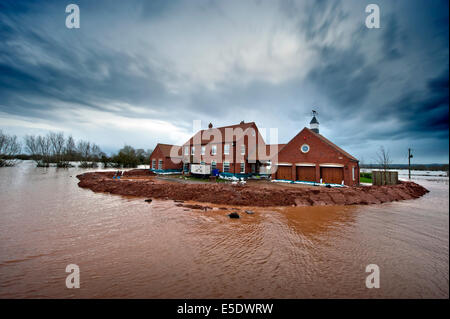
x=128 y=248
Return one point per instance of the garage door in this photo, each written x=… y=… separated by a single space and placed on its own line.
x=334 y=175
x=306 y=173
x=284 y=172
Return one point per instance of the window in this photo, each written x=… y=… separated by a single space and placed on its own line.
x=354 y=172
x=242 y=167
x=203 y=150
x=304 y=148
x=226 y=149
x=186 y=150
x=193 y=150
x=226 y=167
x=186 y=167
x=243 y=149
x=214 y=150
x=154 y=164
x=202 y=163
x=213 y=165
x=160 y=164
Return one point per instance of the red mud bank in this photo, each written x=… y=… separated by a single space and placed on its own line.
x=248 y=195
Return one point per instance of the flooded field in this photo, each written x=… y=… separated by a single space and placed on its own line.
x=127 y=248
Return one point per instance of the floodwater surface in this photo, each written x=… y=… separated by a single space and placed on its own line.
x=127 y=248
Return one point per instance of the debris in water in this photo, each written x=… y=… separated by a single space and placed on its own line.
x=148 y=200
x=249 y=212
x=234 y=215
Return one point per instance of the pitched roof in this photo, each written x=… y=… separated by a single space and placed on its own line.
x=327 y=141
x=166 y=149
x=218 y=130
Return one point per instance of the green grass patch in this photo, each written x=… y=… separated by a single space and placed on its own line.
x=365 y=177
x=365 y=180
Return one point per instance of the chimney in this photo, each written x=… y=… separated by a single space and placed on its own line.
x=242 y=122
x=314 y=124
x=210 y=125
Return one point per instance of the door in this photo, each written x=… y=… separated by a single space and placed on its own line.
x=306 y=173
x=332 y=175
x=284 y=172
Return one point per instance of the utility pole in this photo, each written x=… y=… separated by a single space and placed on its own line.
x=409 y=162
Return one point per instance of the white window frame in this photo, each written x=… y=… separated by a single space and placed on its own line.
x=160 y=164
x=213 y=149
x=354 y=173
x=153 y=163
x=226 y=149
x=186 y=150
x=213 y=165
x=226 y=164
x=193 y=150
x=242 y=171
x=203 y=150
x=243 y=149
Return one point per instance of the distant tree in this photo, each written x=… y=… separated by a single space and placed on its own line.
x=9 y=148
x=105 y=160
x=70 y=150
x=384 y=159
x=32 y=148
x=44 y=147
x=127 y=157
x=58 y=142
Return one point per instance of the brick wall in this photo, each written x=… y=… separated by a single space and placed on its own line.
x=167 y=162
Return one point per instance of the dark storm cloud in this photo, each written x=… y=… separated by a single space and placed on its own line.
x=170 y=62
x=344 y=76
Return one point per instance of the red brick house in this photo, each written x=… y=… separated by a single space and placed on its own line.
x=162 y=159
x=225 y=148
x=311 y=157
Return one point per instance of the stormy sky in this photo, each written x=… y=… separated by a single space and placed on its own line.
x=139 y=72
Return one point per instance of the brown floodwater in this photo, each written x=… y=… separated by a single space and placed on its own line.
x=127 y=248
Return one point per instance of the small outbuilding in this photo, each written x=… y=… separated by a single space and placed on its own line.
x=166 y=157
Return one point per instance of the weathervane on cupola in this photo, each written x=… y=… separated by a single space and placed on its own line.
x=314 y=124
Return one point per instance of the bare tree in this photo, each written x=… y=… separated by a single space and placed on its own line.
x=57 y=141
x=32 y=147
x=84 y=150
x=70 y=149
x=384 y=159
x=9 y=148
x=44 y=147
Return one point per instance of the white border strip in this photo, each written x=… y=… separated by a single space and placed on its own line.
x=305 y=164
x=331 y=165
x=284 y=164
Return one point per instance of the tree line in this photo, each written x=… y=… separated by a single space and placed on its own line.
x=56 y=149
